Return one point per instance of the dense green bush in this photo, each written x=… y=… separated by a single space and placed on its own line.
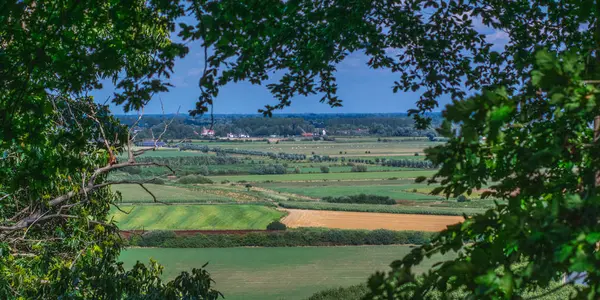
x=324 y=169
x=354 y=292
x=462 y=198
x=392 y=209
x=288 y=238
x=361 y=199
x=157 y=181
x=276 y=225
x=359 y=168
x=194 y=179
x=152 y=238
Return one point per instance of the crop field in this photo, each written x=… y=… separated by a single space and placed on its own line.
x=201 y=217
x=348 y=147
x=277 y=273
x=395 y=189
x=425 y=209
x=324 y=176
x=366 y=220
x=132 y=193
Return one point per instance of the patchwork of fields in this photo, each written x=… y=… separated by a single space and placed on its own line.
x=231 y=195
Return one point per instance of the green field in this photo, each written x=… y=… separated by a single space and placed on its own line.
x=395 y=189
x=348 y=146
x=133 y=193
x=186 y=217
x=378 y=208
x=325 y=176
x=276 y=273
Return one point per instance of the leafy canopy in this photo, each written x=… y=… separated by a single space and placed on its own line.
x=535 y=106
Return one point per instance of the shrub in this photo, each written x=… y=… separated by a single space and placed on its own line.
x=248 y=186
x=361 y=199
x=355 y=292
x=155 y=238
x=359 y=168
x=297 y=170
x=276 y=225
x=224 y=181
x=324 y=169
x=133 y=170
x=203 y=170
x=462 y=198
x=157 y=181
x=194 y=179
x=416 y=153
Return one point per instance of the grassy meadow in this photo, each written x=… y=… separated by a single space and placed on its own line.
x=277 y=273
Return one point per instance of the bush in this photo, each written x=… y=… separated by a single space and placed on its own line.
x=416 y=153
x=276 y=225
x=152 y=238
x=194 y=179
x=361 y=199
x=133 y=170
x=157 y=181
x=324 y=169
x=359 y=168
x=355 y=292
x=462 y=198
x=224 y=181
x=203 y=170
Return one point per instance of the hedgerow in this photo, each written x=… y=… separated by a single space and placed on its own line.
x=288 y=238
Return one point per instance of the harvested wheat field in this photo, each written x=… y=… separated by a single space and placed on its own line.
x=366 y=220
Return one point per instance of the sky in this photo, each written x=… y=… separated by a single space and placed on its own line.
x=363 y=90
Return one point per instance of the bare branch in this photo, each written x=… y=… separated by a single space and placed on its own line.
x=121 y=210
x=109 y=167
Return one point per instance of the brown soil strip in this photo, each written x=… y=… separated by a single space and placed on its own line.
x=367 y=220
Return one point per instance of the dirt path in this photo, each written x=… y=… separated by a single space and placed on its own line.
x=367 y=220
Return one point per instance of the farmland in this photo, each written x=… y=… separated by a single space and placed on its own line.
x=396 y=189
x=325 y=176
x=367 y=220
x=276 y=273
x=180 y=217
x=238 y=185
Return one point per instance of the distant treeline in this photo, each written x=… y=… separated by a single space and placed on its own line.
x=361 y=199
x=184 y=127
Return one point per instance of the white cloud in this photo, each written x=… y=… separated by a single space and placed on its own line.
x=498 y=38
x=179 y=81
x=194 y=71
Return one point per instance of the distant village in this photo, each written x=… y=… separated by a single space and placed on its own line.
x=208 y=133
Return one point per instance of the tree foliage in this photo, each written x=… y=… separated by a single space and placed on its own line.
x=535 y=103
x=57 y=145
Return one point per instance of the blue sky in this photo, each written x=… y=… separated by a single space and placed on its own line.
x=363 y=90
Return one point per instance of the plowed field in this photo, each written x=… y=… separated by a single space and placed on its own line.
x=362 y=220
